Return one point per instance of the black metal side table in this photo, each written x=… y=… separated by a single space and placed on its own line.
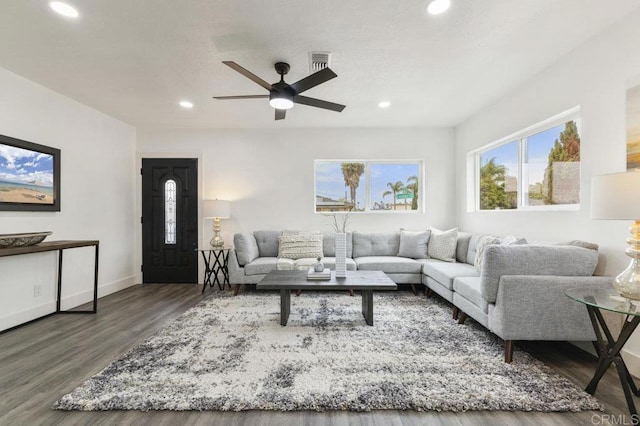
x=216 y=261
x=608 y=350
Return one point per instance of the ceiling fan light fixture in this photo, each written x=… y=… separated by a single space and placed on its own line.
x=279 y=100
x=436 y=7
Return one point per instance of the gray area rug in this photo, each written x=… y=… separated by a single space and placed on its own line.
x=231 y=354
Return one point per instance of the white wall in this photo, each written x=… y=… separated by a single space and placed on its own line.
x=268 y=174
x=97 y=200
x=594 y=77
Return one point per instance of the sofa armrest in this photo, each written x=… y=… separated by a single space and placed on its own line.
x=535 y=307
x=533 y=259
x=236 y=272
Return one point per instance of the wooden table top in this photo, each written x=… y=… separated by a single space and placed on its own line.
x=355 y=280
x=47 y=246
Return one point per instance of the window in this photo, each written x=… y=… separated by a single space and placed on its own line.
x=499 y=177
x=368 y=186
x=170 y=212
x=536 y=168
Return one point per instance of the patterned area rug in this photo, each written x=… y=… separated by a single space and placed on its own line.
x=231 y=354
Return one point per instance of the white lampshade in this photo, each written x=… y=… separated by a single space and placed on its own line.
x=217 y=208
x=616 y=196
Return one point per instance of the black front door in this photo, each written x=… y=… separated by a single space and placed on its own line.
x=169 y=220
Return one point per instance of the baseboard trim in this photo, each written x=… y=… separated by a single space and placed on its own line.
x=69 y=302
x=80 y=298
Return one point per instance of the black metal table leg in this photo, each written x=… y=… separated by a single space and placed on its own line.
x=207 y=270
x=609 y=352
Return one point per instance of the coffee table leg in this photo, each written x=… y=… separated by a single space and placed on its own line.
x=285 y=306
x=367 y=306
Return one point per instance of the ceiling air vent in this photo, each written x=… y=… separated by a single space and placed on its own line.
x=318 y=61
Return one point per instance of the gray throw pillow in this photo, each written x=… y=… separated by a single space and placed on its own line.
x=413 y=244
x=442 y=244
x=246 y=248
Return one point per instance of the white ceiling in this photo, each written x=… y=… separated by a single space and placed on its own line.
x=135 y=59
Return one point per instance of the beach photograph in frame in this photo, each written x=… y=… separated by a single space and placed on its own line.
x=633 y=128
x=29 y=176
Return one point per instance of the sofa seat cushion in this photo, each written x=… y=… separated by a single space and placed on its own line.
x=305 y=263
x=469 y=288
x=389 y=264
x=261 y=265
x=446 y=272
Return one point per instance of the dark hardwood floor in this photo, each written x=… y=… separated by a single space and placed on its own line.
x=42 y=361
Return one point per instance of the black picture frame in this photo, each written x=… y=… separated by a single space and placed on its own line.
x=37 y=205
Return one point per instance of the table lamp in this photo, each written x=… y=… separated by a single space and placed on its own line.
x=617 y=196
x=216 y=210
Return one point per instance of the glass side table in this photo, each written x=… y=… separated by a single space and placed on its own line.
x=608 y=350
x=216 y=261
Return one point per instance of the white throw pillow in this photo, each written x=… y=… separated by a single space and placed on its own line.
x=442 y=244
x=483 y=242
x=297 y=246
x=413 y=244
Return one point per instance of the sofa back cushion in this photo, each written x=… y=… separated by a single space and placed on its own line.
x=329 y=244
x=533 y=259
x=267 y=243
x=462 y=246
x=413 y=244
x=246 y=248
x=375 y=244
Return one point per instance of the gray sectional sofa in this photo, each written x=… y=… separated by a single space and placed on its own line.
x=518 y=294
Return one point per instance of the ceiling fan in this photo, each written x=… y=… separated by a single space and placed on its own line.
x=282 y=95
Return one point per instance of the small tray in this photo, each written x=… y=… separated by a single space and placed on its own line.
x=22 y=240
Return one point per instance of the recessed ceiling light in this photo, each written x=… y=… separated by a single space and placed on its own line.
x=64 y=9
x=436 y=7
x=384 y=104
x=186 y=104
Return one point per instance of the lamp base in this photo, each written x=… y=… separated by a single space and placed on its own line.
x=628 y=282
x=216 y=242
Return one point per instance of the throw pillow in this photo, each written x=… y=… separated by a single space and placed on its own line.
x=482 y=244
x=442 y=244
x=413 y=244
x=297 y=246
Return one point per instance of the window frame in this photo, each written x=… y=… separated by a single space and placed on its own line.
x=366 y=179
x=521 y=137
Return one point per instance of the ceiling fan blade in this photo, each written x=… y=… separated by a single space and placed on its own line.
x=318 y=103
x=280 y=114
x=313 y=80
x=242 y=97
x=251 y=76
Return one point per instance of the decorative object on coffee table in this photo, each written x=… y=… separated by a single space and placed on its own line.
x=23 y=239
x=341 y=255
x=617 y=196
x=216 y=210
x=319 y=266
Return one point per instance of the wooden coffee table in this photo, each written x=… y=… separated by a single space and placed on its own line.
x=365 y=281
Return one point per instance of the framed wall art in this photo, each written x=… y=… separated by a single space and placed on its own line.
x=29 y=176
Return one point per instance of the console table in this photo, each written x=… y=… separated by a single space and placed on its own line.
x=60 y=246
